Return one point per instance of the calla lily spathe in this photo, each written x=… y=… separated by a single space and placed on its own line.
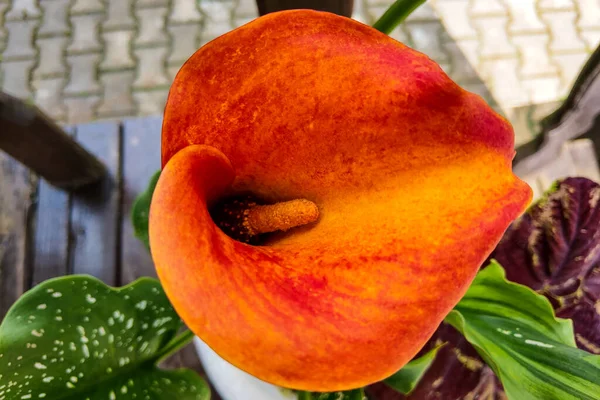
x=411 y=174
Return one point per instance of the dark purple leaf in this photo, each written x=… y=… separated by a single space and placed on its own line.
x=457 y=373
x=555 y=249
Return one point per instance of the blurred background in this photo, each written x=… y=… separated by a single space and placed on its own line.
x=84 y=60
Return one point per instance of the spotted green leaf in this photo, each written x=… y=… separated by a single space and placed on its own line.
x=141 y=210
x=515 y=331
x=74 y=338
x=405 y=380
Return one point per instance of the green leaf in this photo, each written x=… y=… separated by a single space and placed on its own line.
x=356 y=394
x=75 y=338
x=530 y=350
x=396 y=14
x=405 y=380
x=141 y=211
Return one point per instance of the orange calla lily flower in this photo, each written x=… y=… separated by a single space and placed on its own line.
x=409 y=176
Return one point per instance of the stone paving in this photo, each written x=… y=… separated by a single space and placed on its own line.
x=83 y=60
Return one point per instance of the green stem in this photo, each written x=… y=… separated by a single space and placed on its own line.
x=175 y=345
x=304 y=396
x=396 y=14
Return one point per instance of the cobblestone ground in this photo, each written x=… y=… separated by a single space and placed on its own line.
x=83 y=60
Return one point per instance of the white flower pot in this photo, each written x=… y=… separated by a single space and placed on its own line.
x=234 y=384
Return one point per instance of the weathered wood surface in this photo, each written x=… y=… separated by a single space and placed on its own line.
x=16 y=190
x=141 y=159
x=50 y=226
x=37 y=142
x=46 y=232
x=95 y=210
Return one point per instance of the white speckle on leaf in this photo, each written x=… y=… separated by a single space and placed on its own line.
x=37 y=333
x=112 y=395
x=70 y=385
x=144 y=346
x=41 y=307
x=48 y=379
x=90 y=299
x=129 y=323
x=39 y=365
x=86 y=351
x=161 y=321
x=141 y=305
x=540 y=344
x=504 y=331
x=57 y=294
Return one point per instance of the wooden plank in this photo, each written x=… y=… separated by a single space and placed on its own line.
x=50 y=244
x=141 y=159
x=50 y=257
x=95 y=210
x=32 y=138
x=16 y=190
